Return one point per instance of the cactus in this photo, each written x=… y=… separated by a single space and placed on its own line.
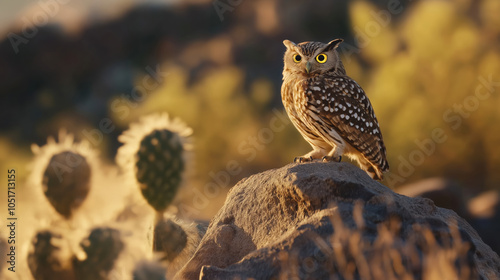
x=102 y=247
x=169 y=239
x=160 y=166
x=154 y=157
x=66 y=182
x=45 y=259
x=175 y=242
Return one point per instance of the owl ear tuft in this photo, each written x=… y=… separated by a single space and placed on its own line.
x=289 y=44
x=333 y=44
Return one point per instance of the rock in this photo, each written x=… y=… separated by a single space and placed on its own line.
x=149 y=270
x=330 y=220
x=485 y=205
x=485 y=212
x=443 y=192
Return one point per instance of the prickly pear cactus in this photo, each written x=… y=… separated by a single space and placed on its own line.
x=66 y=182
x=159 y=167
x=169 y=239
x=102 y=247
x=46 y=260
x=154 y=156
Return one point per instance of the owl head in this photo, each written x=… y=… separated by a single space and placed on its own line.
x=312 y=58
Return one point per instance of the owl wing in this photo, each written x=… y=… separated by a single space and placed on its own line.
x=339 y=103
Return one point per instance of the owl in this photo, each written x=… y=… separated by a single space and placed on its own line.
x=329 y=109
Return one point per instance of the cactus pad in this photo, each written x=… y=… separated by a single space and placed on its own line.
x=66 y=182
x=159 y=167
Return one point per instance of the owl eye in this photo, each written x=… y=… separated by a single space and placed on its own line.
x=321 y=58
x=297 y=58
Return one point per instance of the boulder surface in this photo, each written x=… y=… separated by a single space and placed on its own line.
x=331 y=221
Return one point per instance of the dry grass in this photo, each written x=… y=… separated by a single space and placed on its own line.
x=349 y=254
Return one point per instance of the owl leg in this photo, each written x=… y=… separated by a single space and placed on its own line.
x=334 y=155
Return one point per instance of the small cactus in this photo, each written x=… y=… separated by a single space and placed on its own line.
x=45 y=259
x=102 y=247
x=154 y=153
x=169 y=239
x=66 y=182
x=175 y=242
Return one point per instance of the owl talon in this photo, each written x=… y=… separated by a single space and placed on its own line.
x=329 y=159
x=302 y=159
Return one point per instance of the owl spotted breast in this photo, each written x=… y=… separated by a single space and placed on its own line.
x=329 y=109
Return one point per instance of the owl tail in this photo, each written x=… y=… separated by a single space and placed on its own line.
x=372 y=170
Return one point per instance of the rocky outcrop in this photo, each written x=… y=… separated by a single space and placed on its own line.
x=482 y=211
x=443 y=192
x=485 y=212
x=330 y=220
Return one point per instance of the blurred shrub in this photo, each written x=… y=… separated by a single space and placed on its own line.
x=436 y=78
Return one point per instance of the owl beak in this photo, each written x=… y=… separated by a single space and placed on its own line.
x=308 y=67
